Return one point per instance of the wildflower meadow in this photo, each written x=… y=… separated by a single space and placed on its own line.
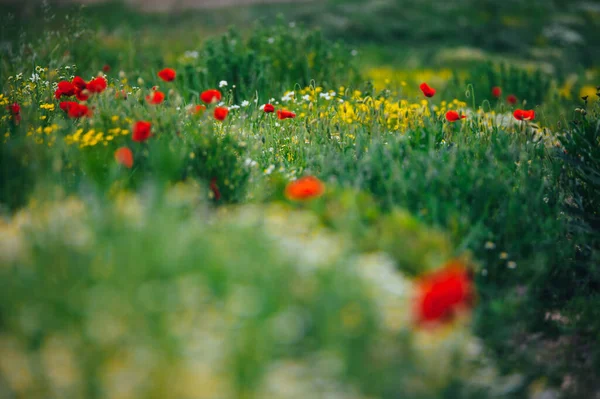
x=282 y=201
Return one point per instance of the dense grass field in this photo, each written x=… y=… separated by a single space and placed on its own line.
x=286 y=209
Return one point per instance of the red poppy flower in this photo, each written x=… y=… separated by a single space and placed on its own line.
x=124 y=156
x=453 y=116
x=523 y=115
x=70 y=107
x=106 y=68
x=284 y=114
x=427 y=91
x=210 y=96
x=76 y=87
x=141 y=131
x=215 y=189
x=74 y=109
x=221 y=113
x=82 y=95
x=96 y=85
x=156 y=98
x=305 y=188
x=442 y=294
x=79 y=111
x=64 y=105
x=15 y=110
x=511 y=99
x=199 y=109
x=167 y=74
x=64 y=88
x=496 y=91
x=268 y=108
x=79 y=83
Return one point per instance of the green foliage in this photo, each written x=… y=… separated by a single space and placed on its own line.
x=16 y=178
x=531 y=87
x=273 y=58
x=218 y=159
x=570 y=291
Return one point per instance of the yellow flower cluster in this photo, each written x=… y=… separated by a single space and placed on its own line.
x=445 y=106
x=3 y=100
x=358 y=108
x=43 y=135
x=387 y=77
x=392 y=114
x=93 y=137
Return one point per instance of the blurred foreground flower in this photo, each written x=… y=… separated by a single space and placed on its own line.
x=305 y=188
x=284 y=114
x=199 y=109
x=124 y=156
x=442 y=294
x=156 y=97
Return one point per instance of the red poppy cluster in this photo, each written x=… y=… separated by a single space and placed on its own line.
x=74 y=109
x=80 y=88
x=429 y=91
x=210 y=97
x=141 y=132
x=497 y=93
x=281 y=113
x=443 y=294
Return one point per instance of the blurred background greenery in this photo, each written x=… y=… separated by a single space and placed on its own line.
x=558 y=33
